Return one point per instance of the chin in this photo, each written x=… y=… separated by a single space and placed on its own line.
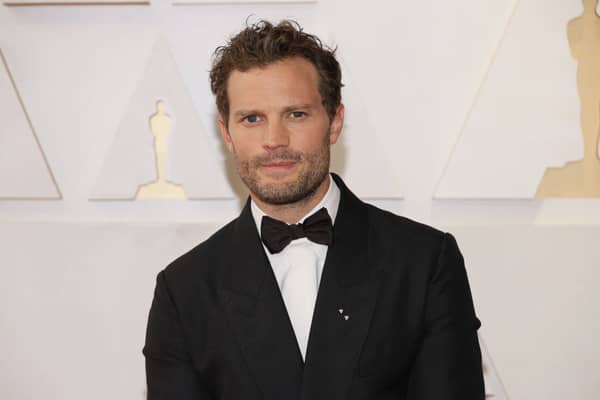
x=279 y=177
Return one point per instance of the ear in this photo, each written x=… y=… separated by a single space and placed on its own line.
x=337 y=123
x=225 y=133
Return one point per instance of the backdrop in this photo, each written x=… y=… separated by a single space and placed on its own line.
x=454 y=112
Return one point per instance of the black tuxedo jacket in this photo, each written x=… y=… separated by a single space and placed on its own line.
x=218 y=327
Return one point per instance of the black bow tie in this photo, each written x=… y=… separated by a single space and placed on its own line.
x=276 y=234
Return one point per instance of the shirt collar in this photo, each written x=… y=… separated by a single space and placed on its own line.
x=331 y=201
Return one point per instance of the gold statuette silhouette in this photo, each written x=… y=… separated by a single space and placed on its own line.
x=582 y=178
x=160 y=126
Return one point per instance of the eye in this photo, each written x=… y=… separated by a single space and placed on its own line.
x=251 y=119
x=297 y=114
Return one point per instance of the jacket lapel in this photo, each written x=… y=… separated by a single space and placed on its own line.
x=345 y=303
x=343 y=309
x=259 y=317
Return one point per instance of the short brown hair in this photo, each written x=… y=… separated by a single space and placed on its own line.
x=263 y=43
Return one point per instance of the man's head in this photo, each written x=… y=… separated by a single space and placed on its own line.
x=278 y=92
x=262 y=44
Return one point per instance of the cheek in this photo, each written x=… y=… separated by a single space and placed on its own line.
x=310 y=136
x=315 y=140
x=243 y=149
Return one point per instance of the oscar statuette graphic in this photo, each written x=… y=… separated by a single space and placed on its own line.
x=161 y=126
x=161 y=148
x=581 y=178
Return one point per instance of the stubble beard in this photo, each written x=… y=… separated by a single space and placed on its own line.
x=316 y=168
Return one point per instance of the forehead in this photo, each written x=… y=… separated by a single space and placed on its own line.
x=290 y=81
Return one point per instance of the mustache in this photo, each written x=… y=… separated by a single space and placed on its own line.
x=277 y=155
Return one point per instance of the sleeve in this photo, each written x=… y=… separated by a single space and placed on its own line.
x=169 y=370
x=448 y=364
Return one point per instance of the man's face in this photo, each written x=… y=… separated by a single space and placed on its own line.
x=279 y=130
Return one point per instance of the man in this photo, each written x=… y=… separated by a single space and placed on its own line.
x=279 y=304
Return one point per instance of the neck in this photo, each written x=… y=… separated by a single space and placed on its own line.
x=292 y=213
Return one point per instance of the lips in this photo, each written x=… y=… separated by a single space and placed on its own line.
x=279 y=164
x=278 y=167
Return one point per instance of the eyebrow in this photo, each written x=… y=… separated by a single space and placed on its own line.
x=243 y=113
x=296 y=107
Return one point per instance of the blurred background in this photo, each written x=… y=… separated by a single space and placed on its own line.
x=455 y=111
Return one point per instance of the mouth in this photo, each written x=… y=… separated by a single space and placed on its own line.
x=279 y=165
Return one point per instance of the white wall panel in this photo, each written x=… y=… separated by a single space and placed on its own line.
x=74 y=304
x=24 y=171
x=526 y=115
x=378 y=177
x=536 y=293
x=194 y=158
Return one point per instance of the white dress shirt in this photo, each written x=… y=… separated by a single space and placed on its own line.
x=299 y=266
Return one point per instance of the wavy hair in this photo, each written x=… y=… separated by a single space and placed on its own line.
x=263 y=43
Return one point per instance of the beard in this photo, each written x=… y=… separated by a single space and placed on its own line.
x=315 y=167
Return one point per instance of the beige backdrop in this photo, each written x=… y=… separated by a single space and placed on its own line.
x=475 y=97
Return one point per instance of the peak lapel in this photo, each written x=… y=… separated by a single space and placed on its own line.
x=258 y=315
x=344 y=306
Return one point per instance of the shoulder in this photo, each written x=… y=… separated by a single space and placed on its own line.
x=422 y=249
x=203 y=262
x=382 y=219
x=390 y=229
x=574 y=22
x=384 y=223
x=574 y=26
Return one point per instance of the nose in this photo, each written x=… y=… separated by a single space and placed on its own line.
x=276 y=135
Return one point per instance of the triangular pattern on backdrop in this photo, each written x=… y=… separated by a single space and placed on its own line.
x=24 y=170
x=525 y=116
x=358 y=156
x=494 y=389
x=195 y=161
